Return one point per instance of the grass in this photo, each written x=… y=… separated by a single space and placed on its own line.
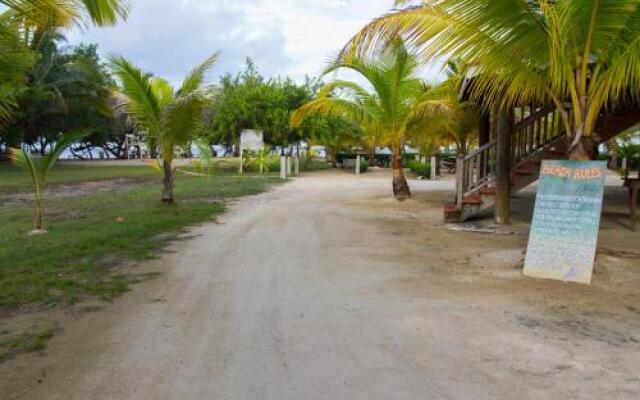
x=90 y=234
x=13 y=179
x=11 y=346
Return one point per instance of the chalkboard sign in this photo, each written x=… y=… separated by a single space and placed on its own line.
x=566 y=220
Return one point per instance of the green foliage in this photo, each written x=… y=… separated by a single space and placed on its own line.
x=24 y=23
x=38 y=169
x=581 y=52
x=171 y=118
x=261 y=161
x=12 y=345
x=364 y=165
x=249 y=101
x=206 y=163
x=628 y=150
x=420 y=168
x=64 y=91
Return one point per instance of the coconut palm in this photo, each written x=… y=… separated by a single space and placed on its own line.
x=169 y=117
x=583 y=53
x=24 y=23
x=388 y=110
x=39 y=167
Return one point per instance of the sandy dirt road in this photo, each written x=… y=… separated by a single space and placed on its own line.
x=326 y=288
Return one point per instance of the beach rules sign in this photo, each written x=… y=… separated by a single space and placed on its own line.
x=566 y=220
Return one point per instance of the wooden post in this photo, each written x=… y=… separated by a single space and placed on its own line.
x=484 y=133
x=503 y=166
x=358 y=164
x=459 y=181
x=283 y=167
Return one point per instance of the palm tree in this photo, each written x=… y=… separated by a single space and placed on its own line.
x=39 y=167
x=24 y=23
x=169 y=117
x=389 y=110
x=581 y=55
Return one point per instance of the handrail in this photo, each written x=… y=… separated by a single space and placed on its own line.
x=529 y=137
x=481 y=149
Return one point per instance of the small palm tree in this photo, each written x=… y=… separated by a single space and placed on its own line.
x=583 y=54
x=169 y=117
x=261 y=159
x=39 y=167
x=395 y=104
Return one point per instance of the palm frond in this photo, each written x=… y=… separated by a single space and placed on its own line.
x=195 y=79
x=142 y=101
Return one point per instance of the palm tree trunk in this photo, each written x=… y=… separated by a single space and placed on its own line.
x=39 y=211
x=582 y=148
x=167 y=183
x=400 y=185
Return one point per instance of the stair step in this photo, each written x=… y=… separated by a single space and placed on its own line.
x=523 y=171
x=488 y=190
x=451 y=208
x=472 y=200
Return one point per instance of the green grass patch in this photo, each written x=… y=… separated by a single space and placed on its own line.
x=12 y=345
x=13 y=179
x=88 y=235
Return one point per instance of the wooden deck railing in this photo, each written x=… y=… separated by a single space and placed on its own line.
x=535 y=129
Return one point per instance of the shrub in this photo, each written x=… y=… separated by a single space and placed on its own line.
x=420 y=169
x=364 y=165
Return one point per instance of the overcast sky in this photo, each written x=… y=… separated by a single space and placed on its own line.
x=283 y=37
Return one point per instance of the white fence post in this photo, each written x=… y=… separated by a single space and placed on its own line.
x=288 y=166
x=283 y=167
x=240 y=170
x=297 y=166
x=434 y=168
x=358 y=165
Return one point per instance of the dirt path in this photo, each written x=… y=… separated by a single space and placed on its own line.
x=326 y=288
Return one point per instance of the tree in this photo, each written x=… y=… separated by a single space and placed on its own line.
x=38 y=168
x=584 y=53
x=249 y=101
x=169 y=117
x=25 y=23
x=395 y=103
x=65 y=91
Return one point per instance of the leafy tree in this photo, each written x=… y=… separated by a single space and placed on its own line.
x=582 y=52
x=170 y=117
x=249 y=101
x=23 y=25
x=65 y=91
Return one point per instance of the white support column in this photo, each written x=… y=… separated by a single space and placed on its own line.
x=288 y=166
x=434 y=168
x=358 y=165
x=283 y=167
x=296 y=166
x=240 y=170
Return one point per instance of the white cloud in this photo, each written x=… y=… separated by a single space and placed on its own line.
x=284 y=37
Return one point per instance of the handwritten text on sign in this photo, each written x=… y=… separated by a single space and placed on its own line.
x=566 y=220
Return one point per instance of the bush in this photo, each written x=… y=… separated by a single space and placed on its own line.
x=364 y=165
x=310 y=164
x=420 y=169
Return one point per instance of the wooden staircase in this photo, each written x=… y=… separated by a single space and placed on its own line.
x=538 y=134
